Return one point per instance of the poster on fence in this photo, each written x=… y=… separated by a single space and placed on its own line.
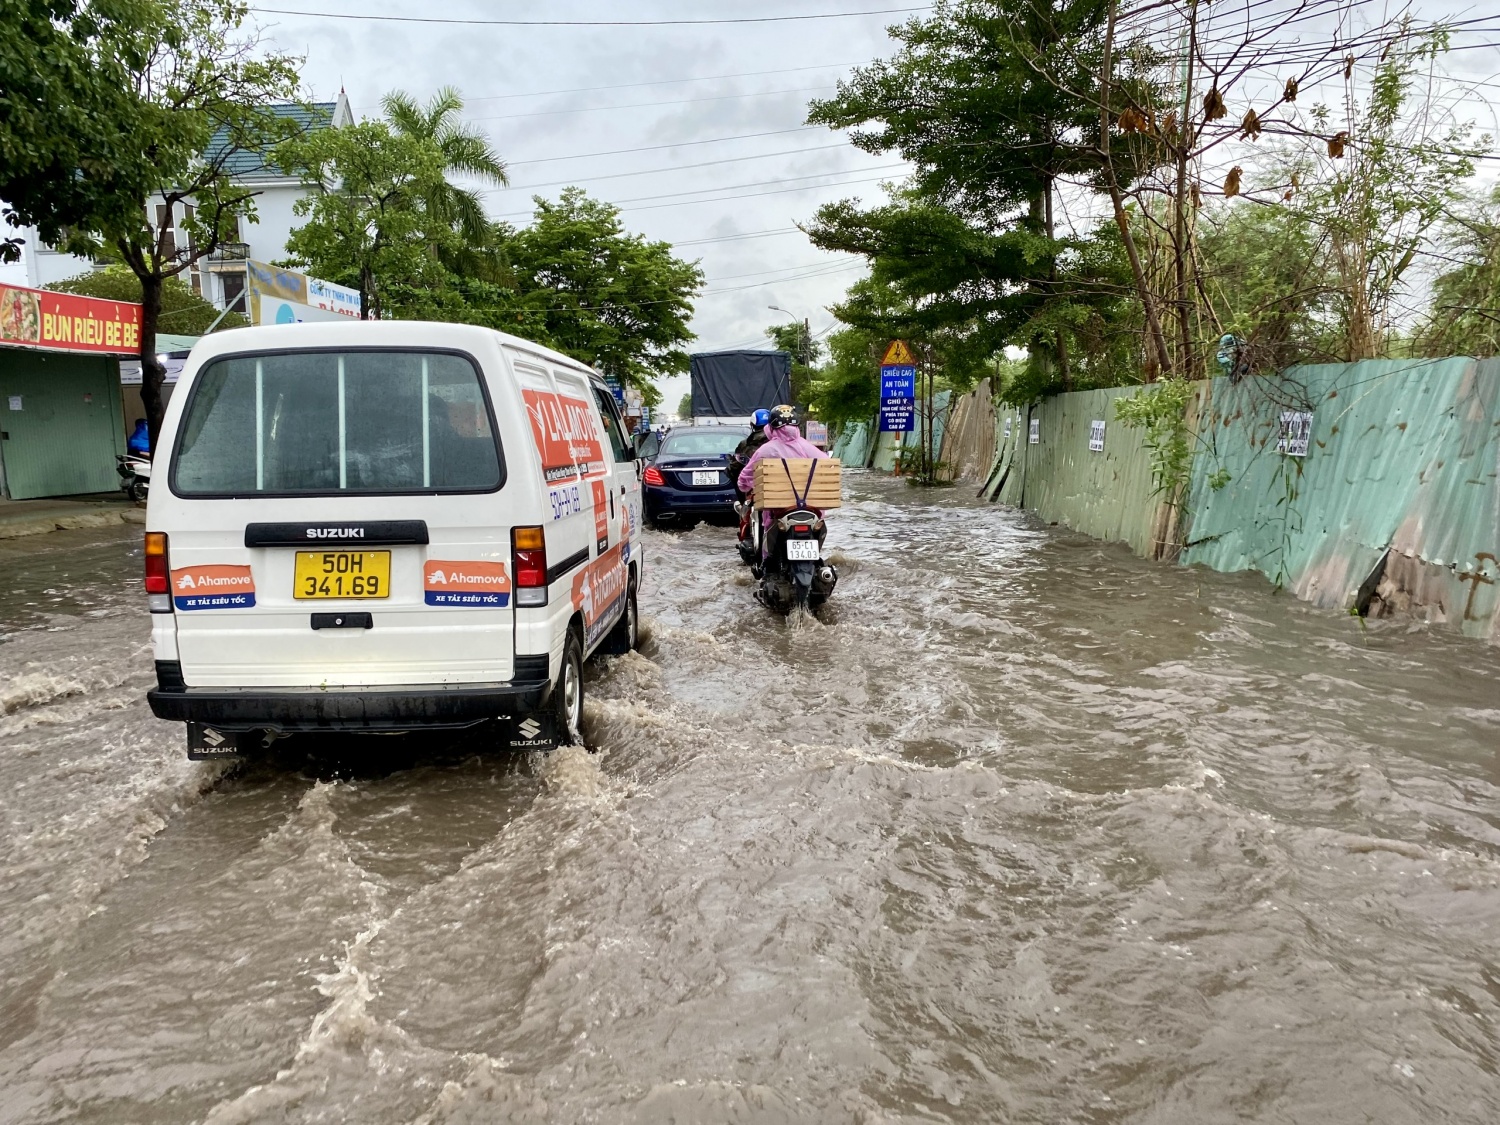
x=1036 y=432
x=1296 y=433
x=1096 y=436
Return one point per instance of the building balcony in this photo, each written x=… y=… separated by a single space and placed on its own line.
x=231 y=252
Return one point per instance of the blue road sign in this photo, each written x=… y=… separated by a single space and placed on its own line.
x=898 y=415
x=898 y=382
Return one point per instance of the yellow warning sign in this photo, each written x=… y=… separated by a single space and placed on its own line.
x=898 y=355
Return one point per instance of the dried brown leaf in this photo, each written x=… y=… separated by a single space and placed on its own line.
x=1348 y=66
x=1290 y=93
x=1213 y=105
x=1250 y=126
x=1197 y=196
x=1337 y=142
x=1232 y=182
x=1132 y=120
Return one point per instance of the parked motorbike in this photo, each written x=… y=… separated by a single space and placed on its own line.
x=787 y=558
x=135 y=475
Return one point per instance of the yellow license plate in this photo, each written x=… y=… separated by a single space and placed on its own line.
x=343 y=574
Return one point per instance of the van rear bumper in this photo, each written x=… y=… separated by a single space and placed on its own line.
x=406 y=707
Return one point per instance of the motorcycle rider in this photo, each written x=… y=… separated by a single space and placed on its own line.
x=756 y=438
x=783 y=440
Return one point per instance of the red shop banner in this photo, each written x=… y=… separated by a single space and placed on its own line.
x=66 y=322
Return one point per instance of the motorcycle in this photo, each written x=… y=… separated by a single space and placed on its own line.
x=135 y=475
x=787 y=558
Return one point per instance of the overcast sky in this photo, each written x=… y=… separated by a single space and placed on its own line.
x=728 y=98
x=725 y=166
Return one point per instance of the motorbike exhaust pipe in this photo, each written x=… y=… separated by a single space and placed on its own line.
x=826 y=574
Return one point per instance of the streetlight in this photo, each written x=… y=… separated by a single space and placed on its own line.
x=804 y=335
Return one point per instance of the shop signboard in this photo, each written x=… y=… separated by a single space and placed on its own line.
x=66 y=322
x=282 y=296
x=329 y=297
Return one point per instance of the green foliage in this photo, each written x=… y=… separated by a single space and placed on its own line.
x=1267 y=277
x=68 y=155
x=968 y=257
x=1161 y=411
x=847 y=388
x=1379 y=202
x=183 y=312
x=1465 y=314
x=367 y=222
x=685 y=407
x=465 y=152
x=610 y=298
x=1218 y=479
x=795 y=339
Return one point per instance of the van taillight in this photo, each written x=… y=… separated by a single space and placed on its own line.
x=529 y=563
x=158 y=573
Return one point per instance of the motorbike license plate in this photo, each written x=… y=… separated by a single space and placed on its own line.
x=342 y=574
x=801 y=550
x=701 y=477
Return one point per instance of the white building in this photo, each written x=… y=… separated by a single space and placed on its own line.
x=220 y=277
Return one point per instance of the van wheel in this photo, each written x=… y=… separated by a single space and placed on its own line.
x=626 y=635
x=567 y=694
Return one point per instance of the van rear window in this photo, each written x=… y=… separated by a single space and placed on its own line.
x=320 y=423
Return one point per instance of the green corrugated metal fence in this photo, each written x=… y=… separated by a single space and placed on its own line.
x=1397 y=498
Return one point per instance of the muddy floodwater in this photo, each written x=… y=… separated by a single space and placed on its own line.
x=1027 y=830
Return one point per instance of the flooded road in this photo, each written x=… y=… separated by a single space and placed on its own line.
x=1028 y=830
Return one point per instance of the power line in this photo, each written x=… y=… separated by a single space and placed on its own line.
x=732 y=187
x=737 y=237
x=683 y=167
x=648 y=105
x=586 y=23
x=667 y=82
x=658 y=148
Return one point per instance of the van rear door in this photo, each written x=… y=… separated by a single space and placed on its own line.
x=336 y=518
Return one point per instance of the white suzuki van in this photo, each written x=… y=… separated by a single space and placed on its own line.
x=386 y=526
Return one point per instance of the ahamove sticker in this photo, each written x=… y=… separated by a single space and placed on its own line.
x=213 y=586
x=478 y=585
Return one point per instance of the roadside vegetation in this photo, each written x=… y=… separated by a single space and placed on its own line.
x=1101 y=192
x=113 y=111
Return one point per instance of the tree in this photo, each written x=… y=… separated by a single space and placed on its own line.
x=183 y=312
x=465 y=152
x=1465 y=315
x=202 y=95
x=609 y=298
x=972 y=244
x=796 y=340
x=685 y=407
x=1379 y=195
x=176 y=92
x=847 y=388
x=368 y=224
x=67 y=69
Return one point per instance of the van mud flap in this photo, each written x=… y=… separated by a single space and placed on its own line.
x=530 y=732
x=207 y=744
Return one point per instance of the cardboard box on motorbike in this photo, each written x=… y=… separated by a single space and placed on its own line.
x=798 y=482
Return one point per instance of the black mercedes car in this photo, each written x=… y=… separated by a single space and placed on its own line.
x=688 y=479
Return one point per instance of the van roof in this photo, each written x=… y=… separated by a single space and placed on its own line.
x=367 y=334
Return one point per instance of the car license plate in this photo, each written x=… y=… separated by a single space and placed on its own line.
x=802 y=550
x=342 y=574
x=700 y=477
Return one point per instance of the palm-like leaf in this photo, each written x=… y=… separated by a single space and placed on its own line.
x=465 y=152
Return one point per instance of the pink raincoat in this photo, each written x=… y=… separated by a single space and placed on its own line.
x=786 y=442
